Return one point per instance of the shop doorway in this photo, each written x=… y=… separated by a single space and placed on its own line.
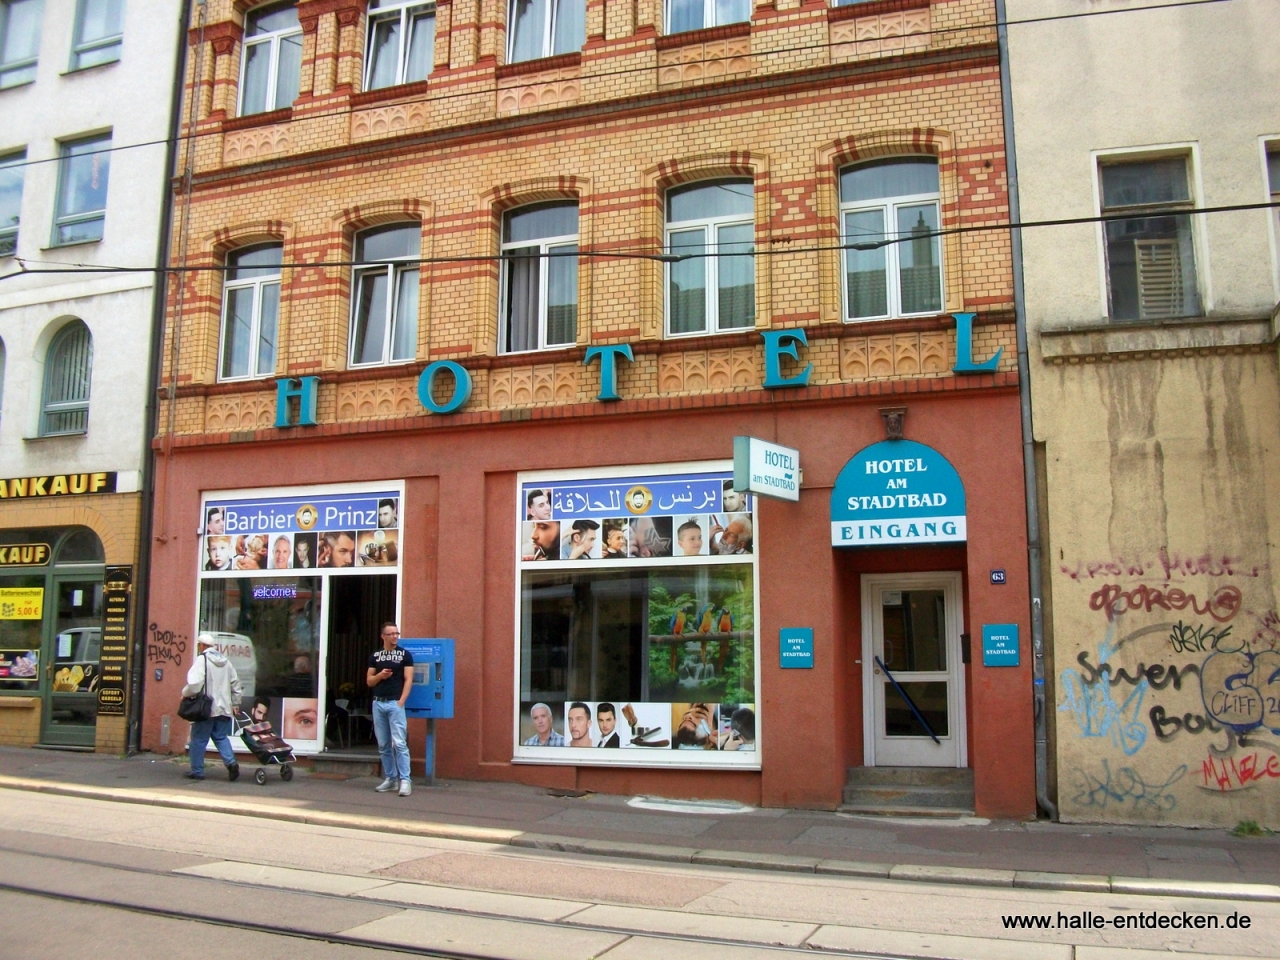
x=913 y=678
x=358 y=606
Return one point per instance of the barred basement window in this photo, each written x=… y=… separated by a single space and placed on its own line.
x=891 y=207
x=67 y=370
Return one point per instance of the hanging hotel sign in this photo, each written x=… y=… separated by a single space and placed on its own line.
x=897 y=492
x=57 y=485
x=766 y=468
x=24 y=555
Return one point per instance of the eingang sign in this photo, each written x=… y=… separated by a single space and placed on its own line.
x=897 y=492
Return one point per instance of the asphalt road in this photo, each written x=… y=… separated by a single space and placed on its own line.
x=94 y=879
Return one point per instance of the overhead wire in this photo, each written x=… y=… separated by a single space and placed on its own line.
x=443 y=97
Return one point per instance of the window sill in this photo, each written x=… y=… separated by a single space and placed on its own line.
x=673 y=40
x=871 y=8
x=367 y=97
x=537 y=66
x=71 y=243
x=43 y=438
x=15 y=86
x=1070 y=342
x=72 y=71
x=258 y=119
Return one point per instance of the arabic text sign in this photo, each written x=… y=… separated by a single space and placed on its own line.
x=897 y=491
x=766 y=468
x=634 y=496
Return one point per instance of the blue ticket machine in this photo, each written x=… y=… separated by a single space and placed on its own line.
x=431 y=695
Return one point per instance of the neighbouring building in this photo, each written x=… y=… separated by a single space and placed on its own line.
x=86 y=95
x=1157 y=407
x=476 y=299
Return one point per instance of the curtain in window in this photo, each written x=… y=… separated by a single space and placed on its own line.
x=384 y=52
x=67 y=374
x=236 y=330
x=267 y=324
x=562 y=298
x=528 y=20
x=737 y=304
x=288 y=71
x=686 y=15
x=570 y=26
x=257 y=70
x=688 y=283
x=404 y=335
x=522 y=300
x=422 y=43
x=732 y=11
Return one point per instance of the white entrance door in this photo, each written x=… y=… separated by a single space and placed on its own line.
x=913 y=678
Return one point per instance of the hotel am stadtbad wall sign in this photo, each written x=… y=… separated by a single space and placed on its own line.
x=897 y=491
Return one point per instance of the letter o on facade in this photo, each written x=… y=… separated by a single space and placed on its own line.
x=461 y=387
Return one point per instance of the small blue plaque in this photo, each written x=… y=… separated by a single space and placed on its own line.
x=997 y=576
x=1000 y=645
x=796 y=647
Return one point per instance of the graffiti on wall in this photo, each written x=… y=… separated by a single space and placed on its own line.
x=1177 y=696
x=165 y=646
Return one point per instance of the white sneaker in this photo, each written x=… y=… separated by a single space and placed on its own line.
x=406 y=788
x=386 y=786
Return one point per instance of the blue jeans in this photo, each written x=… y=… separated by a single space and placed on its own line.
x=393 y=743
x=219 y=728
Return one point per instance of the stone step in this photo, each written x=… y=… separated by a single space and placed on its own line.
x=351 y=764
x=909 y=796
x=882 y=810
x=911 y=776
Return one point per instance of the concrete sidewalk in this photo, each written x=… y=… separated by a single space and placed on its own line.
x=1164 y=860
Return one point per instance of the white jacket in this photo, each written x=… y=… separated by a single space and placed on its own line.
x=214 y=673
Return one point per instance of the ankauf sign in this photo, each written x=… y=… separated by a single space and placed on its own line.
x=897 y=492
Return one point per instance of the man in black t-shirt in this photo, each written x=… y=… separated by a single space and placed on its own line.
x=390 y=675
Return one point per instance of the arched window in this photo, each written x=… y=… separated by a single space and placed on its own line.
x=250 y=312
x=67 y=369
x=540 y=280
x=711 y=294
x=384 y=324
x=889 y=212
x=272 y=62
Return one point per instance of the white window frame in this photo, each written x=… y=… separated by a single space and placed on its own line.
x=17 y=66
x=17 y=158
x=61 y=219
x=80 y=46
x=545 y=245
x=406 y=11
x=273 y=71
x=712 y=267
x=888 y=206
x=1268 y=146
x=708 y=17
x=395 y=268
x=548 y=32
x=255 y=328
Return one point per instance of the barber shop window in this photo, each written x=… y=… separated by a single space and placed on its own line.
x=637 y=620
x=684 y=15
x=250 y=313
x=539 y=277
x=401 y=47
x=19 y=41
x=272 y=63
x=714 y=289
x=68 y=369
x=384 y=326
x=545 y=28
x=84 y=167
x=1151 y=263
x=889 y=216
x=99 y=30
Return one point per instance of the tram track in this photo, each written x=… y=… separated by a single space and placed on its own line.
x=341 y=939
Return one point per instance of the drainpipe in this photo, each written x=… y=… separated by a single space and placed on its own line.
x=140 y=587
x=1028 y=438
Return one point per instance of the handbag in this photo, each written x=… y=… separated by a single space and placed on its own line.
x=198 y=706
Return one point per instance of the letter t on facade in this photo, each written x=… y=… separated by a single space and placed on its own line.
x=608 y=367
x=305 y=391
